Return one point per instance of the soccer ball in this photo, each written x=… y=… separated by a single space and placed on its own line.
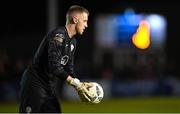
x=97 y=91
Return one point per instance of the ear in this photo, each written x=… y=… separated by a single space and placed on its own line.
x=75 y=19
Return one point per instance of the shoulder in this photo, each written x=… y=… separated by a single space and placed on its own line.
x=59 y=37
x=58 y=34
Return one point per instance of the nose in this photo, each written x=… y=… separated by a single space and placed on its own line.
x=86 y=25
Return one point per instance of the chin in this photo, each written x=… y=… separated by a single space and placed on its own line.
x=80 y=33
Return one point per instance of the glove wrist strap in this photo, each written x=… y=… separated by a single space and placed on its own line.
x=73 y=81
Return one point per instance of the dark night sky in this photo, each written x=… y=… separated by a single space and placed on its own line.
x=30 y=15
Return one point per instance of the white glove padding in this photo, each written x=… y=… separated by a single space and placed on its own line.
x=84 y=93
x=81 y=88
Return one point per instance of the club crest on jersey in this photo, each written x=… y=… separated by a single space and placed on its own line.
x=72 y=47
x=59 y=37
x=64 y=60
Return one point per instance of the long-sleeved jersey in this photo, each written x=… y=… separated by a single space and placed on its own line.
x=54 y=57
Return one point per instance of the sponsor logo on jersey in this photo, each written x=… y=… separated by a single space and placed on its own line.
x=64 y=60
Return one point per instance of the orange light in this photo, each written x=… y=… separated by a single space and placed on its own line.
x=141 y=39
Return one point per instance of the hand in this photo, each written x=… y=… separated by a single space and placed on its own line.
x=81 y=87
x=84 y=92
x=84 y=85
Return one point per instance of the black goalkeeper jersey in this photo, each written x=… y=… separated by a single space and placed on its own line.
x=54 y=57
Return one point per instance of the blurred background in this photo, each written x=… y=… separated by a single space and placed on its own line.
x=137 y=76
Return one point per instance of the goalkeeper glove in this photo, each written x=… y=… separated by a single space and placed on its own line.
x=86 y=95
x=81 y=88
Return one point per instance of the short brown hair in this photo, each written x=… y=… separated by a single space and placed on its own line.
x=74 y=9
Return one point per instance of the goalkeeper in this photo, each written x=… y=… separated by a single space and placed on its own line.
x=54 y=58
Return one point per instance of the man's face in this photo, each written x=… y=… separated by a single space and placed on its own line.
x=81 y=23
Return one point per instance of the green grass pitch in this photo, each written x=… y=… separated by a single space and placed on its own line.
x=119 y=105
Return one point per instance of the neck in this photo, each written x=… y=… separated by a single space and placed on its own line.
x=71 y=30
